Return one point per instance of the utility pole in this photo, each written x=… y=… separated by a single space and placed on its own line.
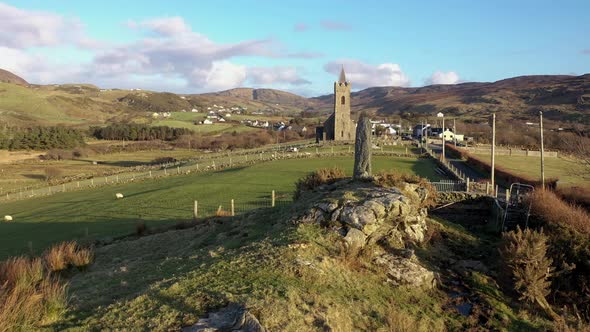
x=426 y=134
x=542 y=151
x=493 y=170
x=443 y=138
x=454 y=132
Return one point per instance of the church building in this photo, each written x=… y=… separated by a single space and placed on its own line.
x=339 y=126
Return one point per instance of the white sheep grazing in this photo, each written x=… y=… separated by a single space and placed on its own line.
x=119 y=195
x=7 y=218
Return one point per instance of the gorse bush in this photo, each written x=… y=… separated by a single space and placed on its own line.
x=524 y=254
x=316 y=179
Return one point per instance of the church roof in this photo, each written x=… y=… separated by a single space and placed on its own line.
x=342 y=78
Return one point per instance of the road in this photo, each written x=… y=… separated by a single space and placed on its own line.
x=472 y=173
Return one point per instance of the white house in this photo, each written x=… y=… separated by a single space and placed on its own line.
x=390 y=131
x=221 y=120
x=207 y=121
x=450 y=136
x=194 y=110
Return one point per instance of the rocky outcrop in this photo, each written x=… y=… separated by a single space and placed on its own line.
x=234 y=317
x=364 y=213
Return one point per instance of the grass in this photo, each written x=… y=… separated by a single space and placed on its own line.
x=168 y=280
x=31 y=172
x=93 y=214
x=291 y=277
x=567 y=170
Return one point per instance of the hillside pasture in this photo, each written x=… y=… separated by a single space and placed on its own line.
x=570 y=172
x=92 y=214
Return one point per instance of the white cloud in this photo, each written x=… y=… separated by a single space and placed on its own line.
x=23 y=28
x=278 y=74
x=225 y=75
x=168 y=51
x=363 y=75
x=440 y=77
x=165 y=26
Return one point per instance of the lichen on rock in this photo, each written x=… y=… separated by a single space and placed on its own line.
x=392 y=220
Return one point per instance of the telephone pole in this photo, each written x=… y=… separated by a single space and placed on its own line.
x=493 y=170
x=455 y=132
x=542 y=151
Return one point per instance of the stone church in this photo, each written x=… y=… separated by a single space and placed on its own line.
x=339 y=126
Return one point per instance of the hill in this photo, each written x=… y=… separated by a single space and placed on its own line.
x=562 y=98
x=271 y=96
x=8 y=77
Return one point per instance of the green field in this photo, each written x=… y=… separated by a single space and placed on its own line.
x=568 y=171
x=95 y=213
x=31 y=172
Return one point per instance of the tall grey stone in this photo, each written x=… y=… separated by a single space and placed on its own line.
x=362 y=149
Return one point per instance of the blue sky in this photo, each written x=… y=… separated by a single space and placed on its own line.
x=299 y=46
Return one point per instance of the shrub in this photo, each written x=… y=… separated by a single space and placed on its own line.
x=526 y=263
x=30 y=297
x=316 y=179
x=141 y=229
x=58 y=154
x=575 y=195
x=164 y=160
x=548 y=207
x=66 y=254
x=52 y=173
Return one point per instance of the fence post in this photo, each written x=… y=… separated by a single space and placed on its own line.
x=196 y=210
x=467 y=184
x=487 y=188
x=496 y=192
x=150 y=174
x=232 y=208
x=272 y=199
x=177 y=169
x=507 y=194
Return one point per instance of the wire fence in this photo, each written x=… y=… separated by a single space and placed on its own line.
x=212 y=163
x=231 y=207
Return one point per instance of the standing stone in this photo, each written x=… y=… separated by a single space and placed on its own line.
x=362 y=149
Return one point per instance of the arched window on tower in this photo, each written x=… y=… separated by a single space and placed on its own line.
x=342 y=100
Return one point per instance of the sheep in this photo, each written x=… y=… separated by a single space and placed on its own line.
x=7 y=218
x=119 y=195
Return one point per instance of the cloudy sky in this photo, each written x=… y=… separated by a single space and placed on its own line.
x=298 y=46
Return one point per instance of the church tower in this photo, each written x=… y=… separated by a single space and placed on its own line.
x=339 y=126
x=343 y=130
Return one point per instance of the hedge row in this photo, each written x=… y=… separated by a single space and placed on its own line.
x=501 y=173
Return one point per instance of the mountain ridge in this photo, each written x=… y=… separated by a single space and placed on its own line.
x=563 y=98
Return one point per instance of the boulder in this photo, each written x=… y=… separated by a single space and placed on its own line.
x=234 y=317
x=403 y=271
